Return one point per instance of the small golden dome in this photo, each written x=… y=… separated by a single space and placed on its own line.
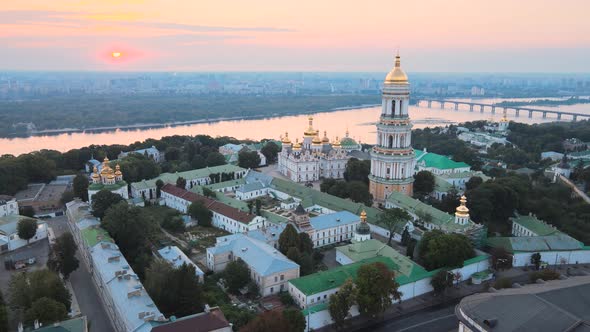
x=310 y=131
x=336 y=142
x=325 y=139
x=286 y=139
x=297 y=146
x=118 y=170
x=316 y=140
x=363 y=216
x=462 y=210
x=95 y=173
x=397 y=75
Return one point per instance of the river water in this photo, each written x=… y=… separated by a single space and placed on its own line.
x=359 y=122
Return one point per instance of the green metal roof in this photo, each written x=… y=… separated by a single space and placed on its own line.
x=94 y=235
x=433 y=160
x=192 y=174
x=109 y=187
x=334 y=278
x=441 y=185
x=316 y=308
x=555 y=242
x=535 y=225
x=359 y=251
x=72 y=325
x=226 y=184
x=9 y=224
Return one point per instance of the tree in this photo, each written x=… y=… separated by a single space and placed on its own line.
x=406 y=237
x=236 y=275
x=359 y=192
x=442 y=280
x=26 y=288
x=67 y=196
x=410 y=249
x=248 y=159
x=46 y=311
x=102 y=201
x=326 y=184
x=340 y=303
x=357 y=170
x=376 y=288
x=438 y=249
x=209 y=193
x=3 y=315
x=62 y=258
x=198 y=162
x=80 y=186
x=536 y=260
x=250 y=205
x=290 y=320
x=27 y=211
x=176 y=291
x=501 y=259
x=26 y=228
x=181 y=182
x=159 y=185
x=473 y=183
x=289 y=238
x=258 y=204
x=197 y=210
x=270 y=151
x=305 y=243
x=423 y=183
x=215 y=159
x=394 y=218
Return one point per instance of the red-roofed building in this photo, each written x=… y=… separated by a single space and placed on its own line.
x=225 y=217
x=212 y=320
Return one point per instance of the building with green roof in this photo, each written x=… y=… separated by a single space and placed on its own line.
x=438 y=164
x=78 y=324
x=531 y=226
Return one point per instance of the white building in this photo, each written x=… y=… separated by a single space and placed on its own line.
x=9 y=239
x=313 y=159
x=225 y=217
x=175 y=256
x=152 y=153
x=256 y=185
x=332 y=228
x=107 y=179
x=269 y=268
x=8 y=206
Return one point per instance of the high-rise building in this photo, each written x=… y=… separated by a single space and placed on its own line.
x=392 y=158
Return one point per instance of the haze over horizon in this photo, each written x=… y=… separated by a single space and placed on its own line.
x=263 y=35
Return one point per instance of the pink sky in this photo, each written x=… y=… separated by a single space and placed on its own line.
x=326 y=35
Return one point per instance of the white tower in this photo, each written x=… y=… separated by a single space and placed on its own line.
x=363 y=230
x=462 y=212
x=392 y=158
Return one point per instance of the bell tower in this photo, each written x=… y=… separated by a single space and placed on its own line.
x=392 y=158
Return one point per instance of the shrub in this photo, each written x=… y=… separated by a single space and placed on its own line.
x=546 y=274
x=503 y=283
x=286 y=298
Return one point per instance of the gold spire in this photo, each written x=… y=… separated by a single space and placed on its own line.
x=95 y=173
x=310 y=131
x=504 y=118
x=316 y=140
x=118 y=170
x=325 y=139
x=297 y=146
x=286 y=139
x=336 y=142
x=363 y=216
x=397 y=75
x=462 y=210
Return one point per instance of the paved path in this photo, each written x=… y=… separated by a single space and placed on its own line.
x=432 y=320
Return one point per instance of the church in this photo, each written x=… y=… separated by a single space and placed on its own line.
x=313 y=158
x=107 y=179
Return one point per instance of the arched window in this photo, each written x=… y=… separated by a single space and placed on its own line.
x=393 y=108
x=401 y=103
x=390 y=145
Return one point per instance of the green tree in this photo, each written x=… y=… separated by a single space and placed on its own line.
x=340 y=303
x=27 y=211
x=442 y=280
x=181 y=182
x=289 y=238
x=536 y=260
x=290 y=320
x=473 y=183
x=3 y=315
x=26 y=228
x=376 y=287
x=258 y=204
x=215 y=159
x=198 y=162
x=197 y=210
x=236 y=275
x=423 y=183
x=46 y=311
x=102 y=201
x=326 y=184
x=270 y=151
x=438 y=249
x=294 y=319
x=67 y=196
x=357 y=170
x=248 y=159
x=305 y=243
x=80 y=187
x=175 y=291
x=27 y=287
x=410 y=249
x=159 y=185
x=209 y=193
x=62 y=258
x=392 y=219
x=406 y=237
x=359 y=192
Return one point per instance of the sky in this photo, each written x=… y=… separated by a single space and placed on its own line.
x=301 y=35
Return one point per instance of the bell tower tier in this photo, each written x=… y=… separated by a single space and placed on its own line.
x=392 y=158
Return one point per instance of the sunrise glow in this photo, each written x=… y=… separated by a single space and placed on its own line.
x=116 y=54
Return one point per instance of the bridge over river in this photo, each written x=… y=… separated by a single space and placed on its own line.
x=492 y=108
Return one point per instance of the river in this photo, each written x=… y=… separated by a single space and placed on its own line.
x=360 y=123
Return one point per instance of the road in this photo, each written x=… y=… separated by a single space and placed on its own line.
x=436 y=319
x=84 y=288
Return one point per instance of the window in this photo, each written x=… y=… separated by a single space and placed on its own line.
x=276 y=278
x=282 y=277
x=272 y=290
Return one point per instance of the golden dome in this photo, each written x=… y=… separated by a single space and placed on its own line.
x=504 y=119
x=363 y=216
x=397 y=75
x=462 y=210
x=336 y=142
x=316 y=140
x=325 y=139
x=286 y=139
x=310 y=131
x=95 y=173
x=297 y=146
x=118 y=170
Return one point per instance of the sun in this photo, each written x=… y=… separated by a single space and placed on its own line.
x=116 y=55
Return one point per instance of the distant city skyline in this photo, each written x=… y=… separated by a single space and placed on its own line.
x=264 y=35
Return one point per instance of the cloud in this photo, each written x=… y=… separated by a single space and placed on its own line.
x=40 y=17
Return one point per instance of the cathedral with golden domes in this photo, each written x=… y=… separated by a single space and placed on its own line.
x=312 y=158
x=107 y=179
